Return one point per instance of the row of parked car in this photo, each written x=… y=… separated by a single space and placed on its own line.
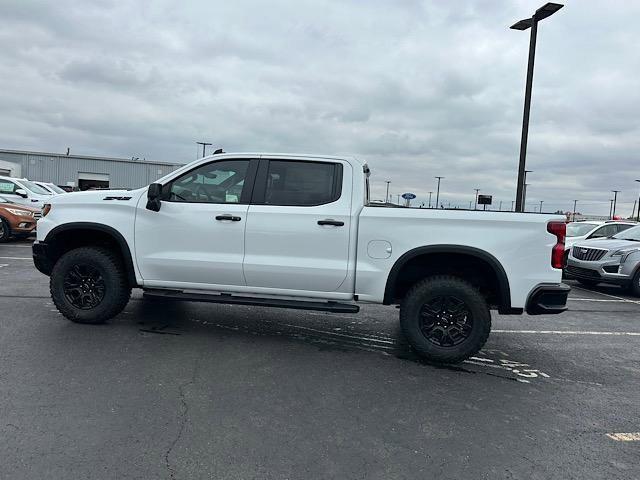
x=604 y=252
x=21 y=203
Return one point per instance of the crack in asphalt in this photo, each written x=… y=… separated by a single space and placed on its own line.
x=184 y=415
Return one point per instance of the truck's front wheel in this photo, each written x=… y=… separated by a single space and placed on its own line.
x=445 y=319
x=89 y=285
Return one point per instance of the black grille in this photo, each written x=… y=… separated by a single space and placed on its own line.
x=582 y=272
x=588 y=254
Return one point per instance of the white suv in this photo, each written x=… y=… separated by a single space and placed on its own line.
x=21 y=190
x=588 y=230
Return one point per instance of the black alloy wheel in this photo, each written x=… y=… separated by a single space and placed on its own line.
x=446 y=321
x=84 y=286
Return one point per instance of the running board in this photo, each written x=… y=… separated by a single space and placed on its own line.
x=333 y=307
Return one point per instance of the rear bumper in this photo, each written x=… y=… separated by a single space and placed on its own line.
x=41 y=258
x=548 y=298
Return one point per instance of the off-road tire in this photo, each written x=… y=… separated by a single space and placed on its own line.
x=116 y=287
x=433 y=287
x=5 y=230
x=587 y=283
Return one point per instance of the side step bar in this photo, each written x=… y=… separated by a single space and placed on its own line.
x=333 y=307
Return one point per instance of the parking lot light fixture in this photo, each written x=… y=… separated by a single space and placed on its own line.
x=543 y=12
x=575 y=203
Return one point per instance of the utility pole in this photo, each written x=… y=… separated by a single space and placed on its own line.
x=541 y=205
x=615 y=200
x=438 y=191
x=204 y=145
x=575 y=203
x=430 y=199
x=540 y=14
x=638 y=214
x=475 y=207
x=386 y=198
x=610 y=209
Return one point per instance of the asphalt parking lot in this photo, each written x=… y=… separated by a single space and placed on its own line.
x=178 y=390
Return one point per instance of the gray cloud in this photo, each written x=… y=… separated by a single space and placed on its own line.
x=417 y=88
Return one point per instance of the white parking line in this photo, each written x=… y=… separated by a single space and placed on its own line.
x=16 y=258
x=608 y=295
x=15 y=246
x=569 y=332
x=625 y=437
x=596 y=300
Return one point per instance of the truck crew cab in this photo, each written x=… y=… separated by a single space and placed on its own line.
x=299 y=231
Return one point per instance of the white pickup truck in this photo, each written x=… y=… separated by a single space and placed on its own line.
x=299 y=231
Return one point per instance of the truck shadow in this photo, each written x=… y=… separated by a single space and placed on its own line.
x=322 y=331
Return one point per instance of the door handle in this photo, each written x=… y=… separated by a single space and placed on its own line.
x=330 y=221
x=228 y=217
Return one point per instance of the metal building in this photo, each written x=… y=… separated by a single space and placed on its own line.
x=82 y=171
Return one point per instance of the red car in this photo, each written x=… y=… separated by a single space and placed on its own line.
x=16 y=220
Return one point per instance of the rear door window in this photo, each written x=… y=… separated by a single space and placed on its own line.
x=303 y=184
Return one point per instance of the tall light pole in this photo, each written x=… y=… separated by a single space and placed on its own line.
x=541 y=201
x=475 y=206
x=204 y=145
x=500 y=209
x=386 y=198
x=523 y=204
x=430 y=193
x=438 y=190
x=610 y=209
x=543 y=12
x=575 y=203
x=638 y=217
x=524 y=190
x=615 y=200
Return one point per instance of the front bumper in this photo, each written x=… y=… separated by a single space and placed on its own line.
x=609 y=270
x=41 y=258
x=548 y=298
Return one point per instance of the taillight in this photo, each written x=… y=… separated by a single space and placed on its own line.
x=559 y=229
x=46 y=209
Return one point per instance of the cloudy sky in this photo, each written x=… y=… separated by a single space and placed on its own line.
x=417 y=88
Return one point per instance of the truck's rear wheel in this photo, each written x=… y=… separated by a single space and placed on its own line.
x=89 y=285
x=445 y=319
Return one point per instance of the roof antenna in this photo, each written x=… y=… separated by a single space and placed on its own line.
x=218 y=151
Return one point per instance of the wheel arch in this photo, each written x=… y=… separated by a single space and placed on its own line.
x=393 y=288
x=72 y=235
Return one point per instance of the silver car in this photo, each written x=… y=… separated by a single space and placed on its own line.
x=613 y=260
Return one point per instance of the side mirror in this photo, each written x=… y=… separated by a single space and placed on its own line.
x=21 y=192
x=154 y=193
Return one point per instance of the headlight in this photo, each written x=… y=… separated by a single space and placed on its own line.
x=46 y=209
x=21 y=213
x=624 y=254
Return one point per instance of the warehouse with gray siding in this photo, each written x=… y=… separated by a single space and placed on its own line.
x=82 y=171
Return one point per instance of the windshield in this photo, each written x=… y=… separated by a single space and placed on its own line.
x=630 y=234
x=54 y=188
x=579 y=229
x=34 y=188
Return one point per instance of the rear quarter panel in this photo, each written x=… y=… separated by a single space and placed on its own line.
x=520 y=242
